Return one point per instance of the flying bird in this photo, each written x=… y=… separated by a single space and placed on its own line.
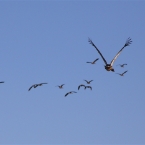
x=122 y=65
x=61 y=86
x=93 y=61
x=109 y=67
x=70 y=93
x=36 y=85
x=1 y=82
x=88 y=87
x=88 y=82
x=81 y=86
x=122 y=73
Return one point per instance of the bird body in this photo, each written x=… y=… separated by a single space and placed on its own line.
x=109 y=67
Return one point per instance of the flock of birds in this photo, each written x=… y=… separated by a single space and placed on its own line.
x=108 y=67
x=61 y=86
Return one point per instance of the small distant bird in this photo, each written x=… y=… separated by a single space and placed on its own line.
x=88 y=87
x=36 y=85
x=122 y=65
x=81 y=86
x=109 y=67
x=61 y=86
x=1 y=82
x=93 y=61
x=122 y=73
x=88 y=82
x=70 y=93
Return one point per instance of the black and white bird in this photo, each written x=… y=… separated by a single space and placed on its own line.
x=36 y=85
x=81 y=86
x=61 y=86
x=88 y=87
x=122 y=65
x=70 y=93
x=122 y=73
x=93 y=61
x=109 y=67
x=88 y=82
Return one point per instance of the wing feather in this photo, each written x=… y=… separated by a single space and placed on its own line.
x=90 y=41
x=128 y=42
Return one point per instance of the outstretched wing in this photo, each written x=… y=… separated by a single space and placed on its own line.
x=91 y=80
x=1 y=82
x=86 y=81
x=31 y=87
x=80 y=86
x=95 y=60
x=124 y=72
x=67 y=94
x=128 y=42
x=74 y=92
x=89 y=87
x=42 y=83
x=88 y=62
x=90 y=41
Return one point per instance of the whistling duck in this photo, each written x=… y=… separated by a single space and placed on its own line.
x=81 y=86
x=122 y=73
x=88 y=82
x=61 y=86
x=93 y=61
x=109 y=67
x=70 y=93
x=36 y=85
x=88 y=87
x=122 y=65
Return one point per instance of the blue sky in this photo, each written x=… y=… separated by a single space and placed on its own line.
x=47 y=41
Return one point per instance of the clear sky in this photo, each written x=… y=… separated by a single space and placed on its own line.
x=47 y=42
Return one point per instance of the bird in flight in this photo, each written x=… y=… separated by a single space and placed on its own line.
x=88 y=87
x=1 y=82
x=122 y=65
x=88 y=82
x=81 y=86
x=109 y=67
x=122 y=73
x=93 y=61
x=36 y=85
x=61 y=86
x=70 y=93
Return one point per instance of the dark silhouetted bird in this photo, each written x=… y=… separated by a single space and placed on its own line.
x=122 y=65
x=81 y=86
x=88 y=82
x=122 y=73
x=1 y=82
x=36 y=85
x=88 y=87
x=109 y=67
x=70 y=93
x=93 y=61
x=61 y=86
